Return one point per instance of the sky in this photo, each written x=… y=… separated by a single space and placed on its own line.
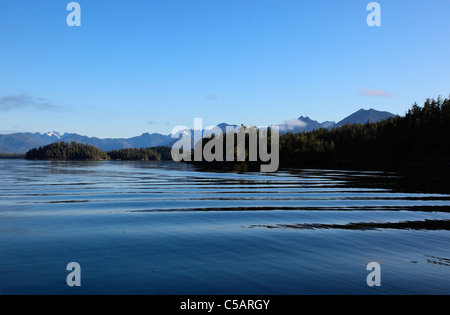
x=140 y=66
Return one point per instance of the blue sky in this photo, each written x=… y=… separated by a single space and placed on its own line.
x=147 y=66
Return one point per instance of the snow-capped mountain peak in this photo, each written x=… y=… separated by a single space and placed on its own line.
x=53 y=134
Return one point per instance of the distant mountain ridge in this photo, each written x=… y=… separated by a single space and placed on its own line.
x=363 y=116
x=23 y=142
x=305 y=124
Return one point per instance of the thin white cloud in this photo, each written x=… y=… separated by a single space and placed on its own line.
x=375 y=93
x=211 y=98
x=9 y=131
x=23 y=101
x=295 y=123
x=154 y=122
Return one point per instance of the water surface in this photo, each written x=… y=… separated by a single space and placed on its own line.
x=169 y=228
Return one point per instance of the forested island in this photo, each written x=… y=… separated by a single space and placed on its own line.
x=85 y=152
x=11 y=156
x=65 y=151
x=422 y=135
x=144 y=154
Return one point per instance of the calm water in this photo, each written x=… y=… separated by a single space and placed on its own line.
x=166 y=228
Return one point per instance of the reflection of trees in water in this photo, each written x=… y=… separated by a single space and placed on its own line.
x=431 y=225
x=438 y=260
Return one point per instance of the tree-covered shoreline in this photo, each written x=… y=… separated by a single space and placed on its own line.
x=421 y=136
x=62 y=151
x=160 y=153
x=11 y=156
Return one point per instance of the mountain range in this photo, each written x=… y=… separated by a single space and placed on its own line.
x=360 y=117
x=22 y=142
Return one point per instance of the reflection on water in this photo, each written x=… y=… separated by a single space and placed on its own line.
x=438 y=260
x=170 y=228
x=412 y=225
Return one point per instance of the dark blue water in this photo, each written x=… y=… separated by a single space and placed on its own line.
x=167 y=228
